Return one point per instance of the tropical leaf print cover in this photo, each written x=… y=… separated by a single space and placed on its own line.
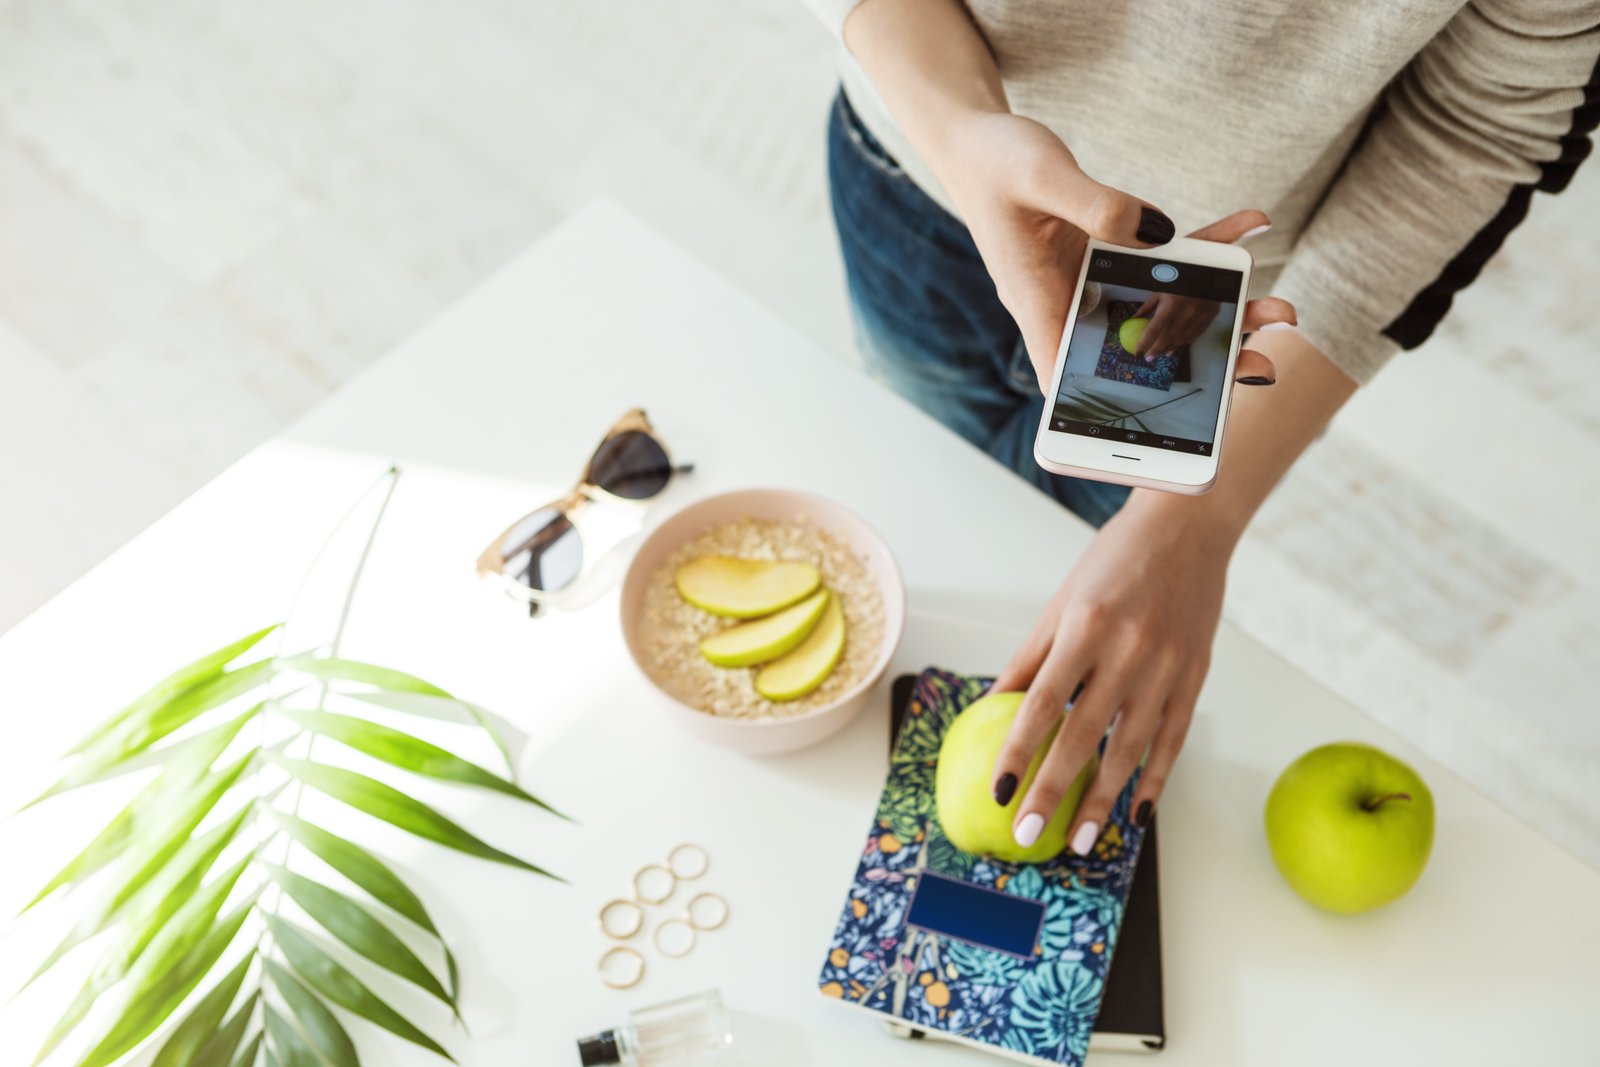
x=1041 y=1008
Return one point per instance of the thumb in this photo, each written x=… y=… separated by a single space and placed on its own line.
x=1098 y=210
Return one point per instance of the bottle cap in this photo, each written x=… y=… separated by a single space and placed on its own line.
x=600 y=1049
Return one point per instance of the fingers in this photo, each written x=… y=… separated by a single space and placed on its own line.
x=1054 y=686
x=1264 y=312
x=1165 y=746
x=1253 y=368
x=1233 y=227
x=1158 y=335
x=1074 y=743
x=1124 y=749
x=1149 y=306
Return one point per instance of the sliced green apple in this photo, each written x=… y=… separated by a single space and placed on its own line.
x=755 y=642
x=745 y=588
x=808 y=665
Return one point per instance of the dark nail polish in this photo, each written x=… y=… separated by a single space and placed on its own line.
x=1005 y=789
x=1141 y=818
x=1256 y=379
x=1154 y=227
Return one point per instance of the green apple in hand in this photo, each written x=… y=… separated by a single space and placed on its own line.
x=1350 y=827
x=963 y=786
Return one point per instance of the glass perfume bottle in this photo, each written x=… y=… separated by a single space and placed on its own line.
x=689 y=1030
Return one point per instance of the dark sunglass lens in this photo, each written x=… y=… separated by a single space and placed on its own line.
x=543 y=551
x=632 y=465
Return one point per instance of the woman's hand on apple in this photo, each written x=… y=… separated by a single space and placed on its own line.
x=1127 y=641
x=1175 y=321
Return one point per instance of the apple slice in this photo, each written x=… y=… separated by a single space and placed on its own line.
x=745 y=588
x=755 y=642
x=798 y=672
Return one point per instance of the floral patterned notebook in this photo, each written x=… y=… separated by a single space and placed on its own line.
x=1010 y=957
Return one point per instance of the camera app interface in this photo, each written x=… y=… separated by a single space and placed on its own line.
x=1148 y=357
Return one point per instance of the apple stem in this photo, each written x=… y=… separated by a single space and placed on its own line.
x=1374 y=803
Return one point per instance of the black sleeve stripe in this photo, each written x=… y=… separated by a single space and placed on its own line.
x=1417 y=322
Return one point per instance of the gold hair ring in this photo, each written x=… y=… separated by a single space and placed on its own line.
x=688 y=862
x=627 y=978
x=687 y=938
x=621 y=931
x=643 y=874
x=707 y=911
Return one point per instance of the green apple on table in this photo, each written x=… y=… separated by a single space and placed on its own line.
x=1350 y=827
x=964 y=781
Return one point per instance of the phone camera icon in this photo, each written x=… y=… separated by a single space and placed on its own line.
x=1164 y=272
x=1103 y=264
x=1095 y=430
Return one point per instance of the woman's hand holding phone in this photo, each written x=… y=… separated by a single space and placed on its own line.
x=1031 y=210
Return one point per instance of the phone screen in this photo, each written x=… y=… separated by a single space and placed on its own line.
x=1148 y=357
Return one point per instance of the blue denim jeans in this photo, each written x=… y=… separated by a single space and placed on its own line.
x=928 y=320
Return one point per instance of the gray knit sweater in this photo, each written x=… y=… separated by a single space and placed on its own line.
x=1394 y=144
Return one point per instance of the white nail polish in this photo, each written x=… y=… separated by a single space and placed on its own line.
x=1029 y=829
x=1257 y=232
x=1274 y=326
x=1084 y=839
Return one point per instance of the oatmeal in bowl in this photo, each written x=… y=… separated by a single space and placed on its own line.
x=764 y=616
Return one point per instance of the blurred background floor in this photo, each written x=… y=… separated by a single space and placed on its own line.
x=212 y=213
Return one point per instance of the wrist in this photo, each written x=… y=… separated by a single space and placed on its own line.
x=1212 y=523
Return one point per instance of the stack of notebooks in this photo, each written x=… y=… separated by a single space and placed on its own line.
x=1012 y=958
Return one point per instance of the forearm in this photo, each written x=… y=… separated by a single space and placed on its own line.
x=1267 y=430
x=929 y=63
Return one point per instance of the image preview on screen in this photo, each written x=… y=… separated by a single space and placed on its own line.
x=1171 y=401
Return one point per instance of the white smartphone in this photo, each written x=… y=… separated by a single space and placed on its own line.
x=1156 y=419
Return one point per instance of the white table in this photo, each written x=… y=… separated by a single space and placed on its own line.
x=1494 y=957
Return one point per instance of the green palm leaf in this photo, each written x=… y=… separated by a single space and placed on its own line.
x=175 y=685
x=132 y=737
x=178 y=871
x=158 y=804
x=450 y=709
x=157 y=991
x=394 y=807
x=164 y=943
x=322 y=1027
x=183 y=1045
x=386 y=680
x=157 y=901
x=360 y=866
x=292 y=1048
x=333 y=669
x=251 y=1052
x=219 y=1047
x=407 y=752
x=358 y=928
x=324 y=974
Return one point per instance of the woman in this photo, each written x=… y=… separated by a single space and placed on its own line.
x=974 y=146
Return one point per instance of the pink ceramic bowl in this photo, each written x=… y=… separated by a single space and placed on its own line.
x=767 y=736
